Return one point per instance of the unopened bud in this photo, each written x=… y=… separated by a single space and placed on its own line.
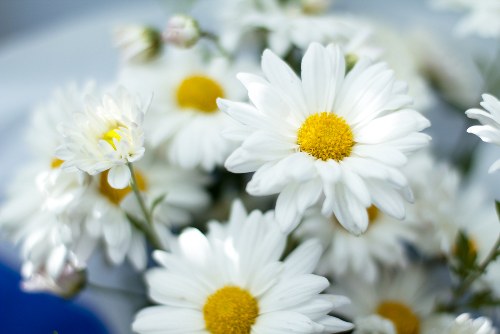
x=315 y=6
x=138 y=43
x=182 y=31
x=70 y=281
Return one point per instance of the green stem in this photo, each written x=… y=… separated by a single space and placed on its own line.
x=215 y=40
x=464 y=286
x=148 y=229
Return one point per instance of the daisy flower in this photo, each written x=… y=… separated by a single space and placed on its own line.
x=330 y=137
x=180 y=194
x=184 y=119
x=222 y=283
x=482 y=16
x=400 y=297
x=106 y=135
x=345 y=254
x=489 y=130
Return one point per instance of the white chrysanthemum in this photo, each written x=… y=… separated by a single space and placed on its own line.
x=439 y=203
x=402 y=297
x=179 y=192
x=231 y=281
x=45 y=216
x=345 y=254
x=482 y=16
x=463 y=324
x=107 y=135
x=294 y=23
x=489 y=131
x=184 y=116
x=329 y=137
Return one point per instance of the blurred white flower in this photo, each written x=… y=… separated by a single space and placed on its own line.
x=182 y=31
x=346 y=254
x=374 y=324
x=489 y=130
x=70 y=279
x=402 y=297
x=137 y=43
x=222 y=283
x=482 y=16
x=107 y=135
x=185 y=121
x=329 y=137
x=463 y=324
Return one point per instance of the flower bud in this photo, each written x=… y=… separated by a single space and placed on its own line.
x=138 y=43
x=68 y=283
x=182 y=31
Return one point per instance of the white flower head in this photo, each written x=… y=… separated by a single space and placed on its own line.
x=232 y=281
x=345 y=254
x=108 y=134
x=489 y=130
x=404 y=298
x=184 y=121
x=329 y=137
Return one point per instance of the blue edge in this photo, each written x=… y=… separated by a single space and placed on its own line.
x=26 y=313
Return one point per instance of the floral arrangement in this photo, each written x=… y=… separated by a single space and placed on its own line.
x=267 y=168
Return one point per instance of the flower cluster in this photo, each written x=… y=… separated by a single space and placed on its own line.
x=315 y=121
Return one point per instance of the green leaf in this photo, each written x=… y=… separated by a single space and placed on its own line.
x=465 y=256
x=497 y=206
x=156 y=202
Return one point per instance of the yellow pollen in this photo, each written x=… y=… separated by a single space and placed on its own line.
x=56 y=163
x=108 y=136
x=373 y=214
x=401 y=316
x=115 y=196
x=230 y=310
x=199 y=92
x=326 y=136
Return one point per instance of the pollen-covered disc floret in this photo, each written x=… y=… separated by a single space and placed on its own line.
x=105 y=136
x=330 y=137
x=325 y=136
x=221 y=283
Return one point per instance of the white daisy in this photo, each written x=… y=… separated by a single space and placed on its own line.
x=106 y=135
x=294 y=23
x=329 y=137
x=439 y=203
x=402 y=297
x=184 y=116
x=482 y=16
x=489 y=131
x=223 y=283
x=44 y=216
x=180 y=194
x=345 y=254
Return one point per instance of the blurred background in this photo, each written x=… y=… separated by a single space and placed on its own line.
x=49 y=43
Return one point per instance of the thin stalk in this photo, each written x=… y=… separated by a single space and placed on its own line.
x=148 y=229
x=215 y=40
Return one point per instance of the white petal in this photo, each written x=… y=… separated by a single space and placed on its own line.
x=119 y=176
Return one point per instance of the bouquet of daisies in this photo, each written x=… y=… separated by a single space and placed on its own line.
x=267 y=167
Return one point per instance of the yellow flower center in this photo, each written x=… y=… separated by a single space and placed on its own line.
x=108 y=136
x=115 y=196
x=373 y=214
x=56 y=163
x=199 y=92
x=326 y=136
x=230 y=310
x=401 y=316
